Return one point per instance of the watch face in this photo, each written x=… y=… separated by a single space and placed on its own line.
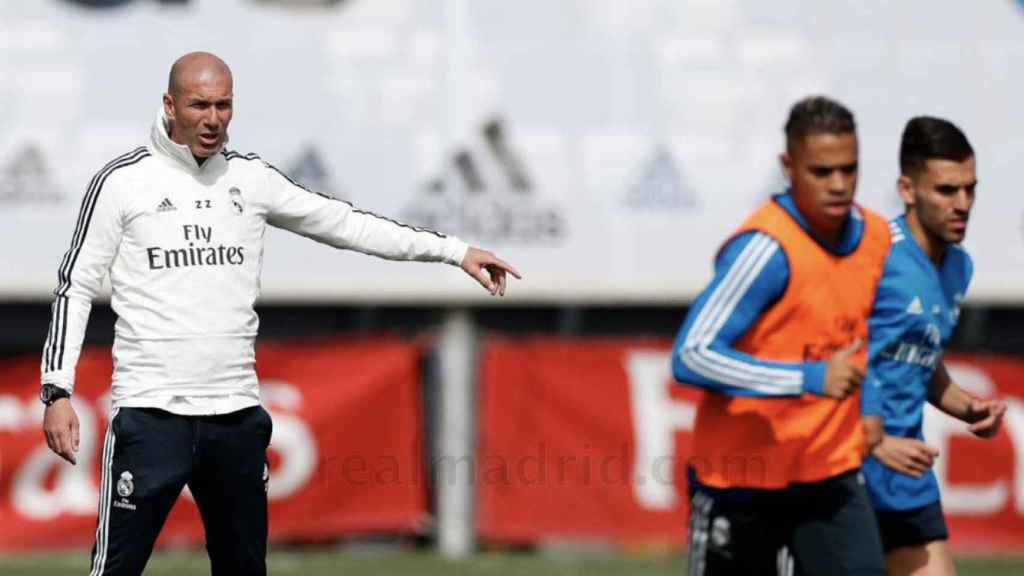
x=49 y=393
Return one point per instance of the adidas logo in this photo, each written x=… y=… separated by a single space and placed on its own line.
x=486 y=192
x=165 y=206
x=310 y=171
x=27 y=179
x=660 y=185
x=915 y=306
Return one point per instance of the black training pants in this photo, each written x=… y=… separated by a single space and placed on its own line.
x=149 y=455
x=824 y=528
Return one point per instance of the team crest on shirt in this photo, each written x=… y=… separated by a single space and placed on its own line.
x=237 y=202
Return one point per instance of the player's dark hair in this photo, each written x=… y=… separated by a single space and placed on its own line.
x=929 y=138
x=818 y=115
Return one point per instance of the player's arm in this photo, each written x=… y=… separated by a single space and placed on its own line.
x=339 y=224
x=94 y=244
x=908 y=456
x=984 y=416
x=871 y=391
x=751 y=273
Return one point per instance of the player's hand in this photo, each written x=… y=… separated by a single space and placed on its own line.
x=905 y=455
x=60 y=426
x=841 y=376
x=987 y=417
x=489 y=270
x=873 y=432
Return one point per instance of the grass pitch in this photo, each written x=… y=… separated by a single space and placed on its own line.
x=401 y=563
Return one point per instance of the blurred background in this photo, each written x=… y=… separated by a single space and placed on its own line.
x=605 y=148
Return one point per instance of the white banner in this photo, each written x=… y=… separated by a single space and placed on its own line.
x=605 y=148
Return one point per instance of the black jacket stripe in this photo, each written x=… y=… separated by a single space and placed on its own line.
x=49 y=339
x=87 y=199
x=82 y=211
x=49 y=336
x=63 y=331
x=55 y=359
x=54 y=331
x=85 y=217
x=229 y=154
x=58 y=307
x=60 y=319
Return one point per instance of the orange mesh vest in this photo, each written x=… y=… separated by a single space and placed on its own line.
x=773 y=442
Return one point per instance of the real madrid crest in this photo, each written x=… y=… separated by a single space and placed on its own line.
x=125 y=486
x=237 y=202
x=720 y=532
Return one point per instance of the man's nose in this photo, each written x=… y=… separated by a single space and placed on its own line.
x=963 y=201
x=211 y=118
x=839 y=182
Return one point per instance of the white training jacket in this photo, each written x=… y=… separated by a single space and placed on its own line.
x=183 y=245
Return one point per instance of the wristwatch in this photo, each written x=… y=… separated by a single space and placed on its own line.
x=50 y=393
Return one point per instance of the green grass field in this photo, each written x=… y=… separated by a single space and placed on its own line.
x=427 y=564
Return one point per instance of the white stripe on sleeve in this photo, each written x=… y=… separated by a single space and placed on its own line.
x=696 y=353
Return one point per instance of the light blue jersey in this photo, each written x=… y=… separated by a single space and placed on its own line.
x=915 y=312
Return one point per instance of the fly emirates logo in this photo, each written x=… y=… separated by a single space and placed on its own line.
x=199 y=251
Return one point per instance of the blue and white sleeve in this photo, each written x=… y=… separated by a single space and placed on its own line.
x=871 y=390
x=751 y=274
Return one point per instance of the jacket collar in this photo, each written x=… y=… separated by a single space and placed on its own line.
x=177 y=154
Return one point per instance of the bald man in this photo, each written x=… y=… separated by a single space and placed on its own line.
x=177 y=225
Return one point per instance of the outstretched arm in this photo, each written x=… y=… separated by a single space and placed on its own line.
x=339 y=224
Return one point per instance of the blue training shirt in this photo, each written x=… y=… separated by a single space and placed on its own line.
x=751 y=274
x=916 y=309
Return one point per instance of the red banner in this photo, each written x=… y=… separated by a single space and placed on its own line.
x=346 y=453
x=588 y=440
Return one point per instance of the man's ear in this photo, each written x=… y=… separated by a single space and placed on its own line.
x=905 y=186
x=787 y=165
x=169 y=106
